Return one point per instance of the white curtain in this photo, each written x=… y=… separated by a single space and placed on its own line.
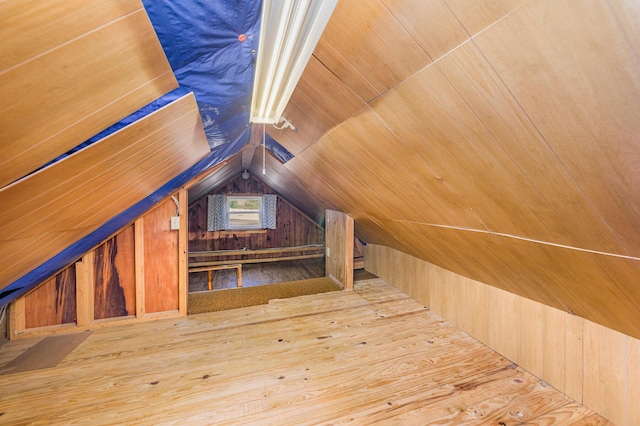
x=269 y=210
x=217 y=212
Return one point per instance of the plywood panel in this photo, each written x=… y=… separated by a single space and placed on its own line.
x=544 y=52
x=114 y=281
x=346 y=72
x=410 y=276
x=391 y=181
x=430 y=23
x=160 y=259
x=447 y=191
x=339 y=243
x=77 y=68
x=477 y=15
x=365 y=33
x=501 y=195
x=60 y=204
x=339 y=186
x=566 y=279
x=483 y=91
x=320 y=102
x=53 y=302
x=574 y=357
x=605 y=373
x=633 y=382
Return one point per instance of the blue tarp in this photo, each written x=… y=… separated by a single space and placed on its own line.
x=211 y=48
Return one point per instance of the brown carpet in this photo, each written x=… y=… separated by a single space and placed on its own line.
x=45 y=354
x=221 y=300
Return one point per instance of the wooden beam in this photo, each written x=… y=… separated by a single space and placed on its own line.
x=183 y=247
x=139 y=261
x=275 y=250
x=254 y=142
x=85 y=289
x=261 y=260
x=16 y=318
x=339 y=253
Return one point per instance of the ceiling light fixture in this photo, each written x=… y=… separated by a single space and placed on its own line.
x=289 y=32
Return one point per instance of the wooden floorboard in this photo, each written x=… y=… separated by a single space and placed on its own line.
x=371 y=356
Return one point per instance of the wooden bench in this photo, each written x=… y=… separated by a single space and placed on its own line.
x=283 y=253
x=211 y=268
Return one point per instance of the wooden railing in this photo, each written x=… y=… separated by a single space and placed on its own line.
x=263 y=255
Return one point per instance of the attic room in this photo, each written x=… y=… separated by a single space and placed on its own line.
x=465 y=171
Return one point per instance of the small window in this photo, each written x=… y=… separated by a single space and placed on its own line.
x=244 y=212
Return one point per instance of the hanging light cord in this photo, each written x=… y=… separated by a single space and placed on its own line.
x=264 y=150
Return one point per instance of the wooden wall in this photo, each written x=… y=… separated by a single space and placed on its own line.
x=69 y=70
x=132 y=276
x=160 y=246
x=55 y=301
x=293 y=228
x=51 y=209
x=114 y=276
x=339 y=255
x=594 y=365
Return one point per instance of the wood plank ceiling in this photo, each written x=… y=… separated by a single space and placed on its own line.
x=497 y=139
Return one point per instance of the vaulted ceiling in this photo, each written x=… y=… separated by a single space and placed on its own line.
x=497 y=139
x=494 y=138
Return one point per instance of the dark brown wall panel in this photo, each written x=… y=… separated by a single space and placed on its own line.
x=70 y=69
x=293 y=228
x=114 y=277
x=53 y=302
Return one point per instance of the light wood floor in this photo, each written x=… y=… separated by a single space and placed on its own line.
x=372 y=356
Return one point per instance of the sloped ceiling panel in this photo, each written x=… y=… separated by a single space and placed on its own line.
x=68 y=70
x=503 y=148
x=49 y=210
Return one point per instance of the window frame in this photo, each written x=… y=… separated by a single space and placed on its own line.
x=231 y=198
